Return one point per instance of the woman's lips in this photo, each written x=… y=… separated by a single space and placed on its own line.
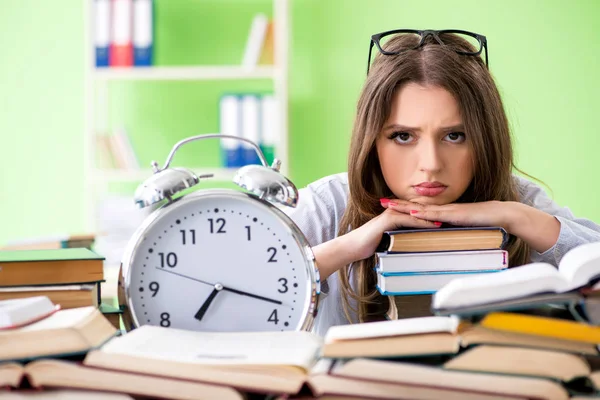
x=429 y=189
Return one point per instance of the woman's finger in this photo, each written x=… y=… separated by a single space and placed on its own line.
x=404 y=220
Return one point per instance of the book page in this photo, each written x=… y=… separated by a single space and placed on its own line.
x=63 y=394
x=58 y=320
x=581 y=264
x=407 y=326
x=218 y=348
x=517 y=282
x=18 y=312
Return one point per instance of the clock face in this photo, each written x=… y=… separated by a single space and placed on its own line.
x=220 y=261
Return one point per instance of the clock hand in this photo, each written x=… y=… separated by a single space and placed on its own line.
x=185 y=276
x=208 y=301
x=251 y=295
x=224 y=287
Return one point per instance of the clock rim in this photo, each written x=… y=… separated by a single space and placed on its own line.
x=129 y=317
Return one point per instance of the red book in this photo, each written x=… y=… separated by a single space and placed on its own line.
x=121 y=45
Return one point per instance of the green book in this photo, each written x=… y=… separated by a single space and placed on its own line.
x=48 y=255
x=50 y=267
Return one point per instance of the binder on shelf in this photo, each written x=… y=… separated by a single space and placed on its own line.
x=250 y=127
x=121 y=47
x=255 y=41
x=269 y=125
x=230 y=115
x=101 y=31
x=143 y=38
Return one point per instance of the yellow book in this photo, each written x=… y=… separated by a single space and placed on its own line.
x=542 y=326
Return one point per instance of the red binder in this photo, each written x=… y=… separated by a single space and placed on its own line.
x=121 y=45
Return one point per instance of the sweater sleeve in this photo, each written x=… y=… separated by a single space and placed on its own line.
x=573 y=231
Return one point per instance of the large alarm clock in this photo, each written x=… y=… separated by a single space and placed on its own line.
x=219 y=259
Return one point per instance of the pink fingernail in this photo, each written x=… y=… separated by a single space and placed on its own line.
x=413 y=211
x=384 y=202
x=438 y=224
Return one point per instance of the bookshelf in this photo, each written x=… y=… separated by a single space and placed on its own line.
x=97 y=87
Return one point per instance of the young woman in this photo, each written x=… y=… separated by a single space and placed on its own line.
x=430 y=145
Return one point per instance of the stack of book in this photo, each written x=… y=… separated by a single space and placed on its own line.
x=414 y=264
x=69 y=277
x=516 y=334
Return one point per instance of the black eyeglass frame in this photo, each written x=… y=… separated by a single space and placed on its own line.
x=423 y=34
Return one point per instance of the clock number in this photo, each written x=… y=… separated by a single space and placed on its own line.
x=218 y=221
x=284 y=289
x=164 y=320
x=183 y=235
x=248 y=229
x=154 y=288
x=171 y=260
x=273 y=317
x=273 y=252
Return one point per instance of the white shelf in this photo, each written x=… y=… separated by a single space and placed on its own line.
x=232 y=72
x=117 y=175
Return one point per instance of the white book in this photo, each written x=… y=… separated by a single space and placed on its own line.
x=19 y=312
x=407 y=326
x=577 y=268
x=218 y=348
x=442 y=261
x=256 y=38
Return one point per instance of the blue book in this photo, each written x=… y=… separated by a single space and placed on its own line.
x=411 y=283
x=392 y=263
x=143 y=32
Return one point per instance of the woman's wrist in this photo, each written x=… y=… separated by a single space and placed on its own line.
x=538 y=229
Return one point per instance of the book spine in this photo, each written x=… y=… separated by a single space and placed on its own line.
x=143 y=32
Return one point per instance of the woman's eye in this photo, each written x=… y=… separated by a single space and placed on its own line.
x=456 y=137
x=402 y=137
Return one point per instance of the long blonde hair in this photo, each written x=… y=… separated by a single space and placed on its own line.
x=485 y=121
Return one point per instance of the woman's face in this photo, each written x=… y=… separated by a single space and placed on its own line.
x=423 y=150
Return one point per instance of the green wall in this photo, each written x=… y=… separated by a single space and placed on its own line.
x=542 y=53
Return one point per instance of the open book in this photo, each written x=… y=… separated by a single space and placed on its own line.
x=64 y=333
x=377 y=379
x=570 y=369
x=19 y=312
x=63 y=394
x=69 y=375
x=268 y=362
x=578 y=268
